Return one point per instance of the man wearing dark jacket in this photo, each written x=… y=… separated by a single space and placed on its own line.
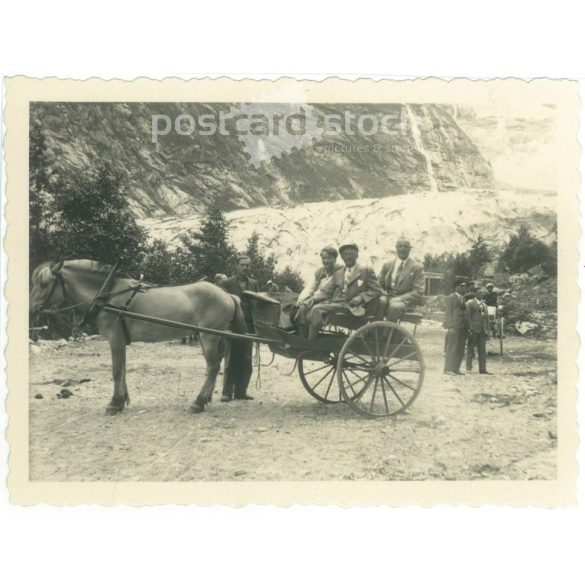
x=456 y=329
x=478 y=330
x=239 y=372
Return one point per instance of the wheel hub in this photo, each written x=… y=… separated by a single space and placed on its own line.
x=381 y=369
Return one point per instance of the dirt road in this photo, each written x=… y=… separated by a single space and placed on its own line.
x=470 y=427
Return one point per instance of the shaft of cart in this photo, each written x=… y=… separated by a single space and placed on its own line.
x=185 y=326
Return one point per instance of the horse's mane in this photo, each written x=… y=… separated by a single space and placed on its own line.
x=43 y=271
x=89 y=265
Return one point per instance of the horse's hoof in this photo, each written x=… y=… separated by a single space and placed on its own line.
x=112 y=409
x=196 y=409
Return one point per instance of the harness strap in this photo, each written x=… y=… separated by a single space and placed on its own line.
x=125 y=307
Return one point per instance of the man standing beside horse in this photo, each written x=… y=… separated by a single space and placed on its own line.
x=239 y=372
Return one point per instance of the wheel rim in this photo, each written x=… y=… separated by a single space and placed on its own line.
x=380 y=370
x=318 y=378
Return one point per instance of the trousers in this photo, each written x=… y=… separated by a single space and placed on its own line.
x=455 y=350
x=476 y=340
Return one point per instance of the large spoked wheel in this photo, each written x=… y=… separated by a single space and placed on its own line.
x=318 y=378
x=380 y=369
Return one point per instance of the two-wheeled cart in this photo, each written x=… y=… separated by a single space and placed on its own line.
x=375 y=367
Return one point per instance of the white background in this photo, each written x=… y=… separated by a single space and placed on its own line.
x=260 y=544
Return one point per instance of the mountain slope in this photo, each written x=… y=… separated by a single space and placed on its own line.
x=185 y=174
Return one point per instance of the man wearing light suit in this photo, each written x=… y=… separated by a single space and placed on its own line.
x=349 y=290
x=403 y=282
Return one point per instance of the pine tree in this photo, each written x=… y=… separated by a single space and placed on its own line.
x=479 y=255
x=261 y=267
x=206 y=252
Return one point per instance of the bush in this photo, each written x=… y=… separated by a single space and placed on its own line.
x=524 y=252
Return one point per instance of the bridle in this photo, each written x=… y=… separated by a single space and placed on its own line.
x=59 y=280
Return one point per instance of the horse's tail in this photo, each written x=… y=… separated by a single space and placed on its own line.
x=238 y=320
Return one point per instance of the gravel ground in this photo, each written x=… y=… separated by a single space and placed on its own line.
x=460 y=428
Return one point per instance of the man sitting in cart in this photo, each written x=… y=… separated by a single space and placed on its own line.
x=403 y=282
x=350 y=290
x=314 y=292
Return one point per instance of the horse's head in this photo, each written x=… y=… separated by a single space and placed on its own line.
x=47 y=288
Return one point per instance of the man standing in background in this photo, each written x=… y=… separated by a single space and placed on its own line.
x=240 y=371
x=478 y=329
x=456 y=329
x=491 y=300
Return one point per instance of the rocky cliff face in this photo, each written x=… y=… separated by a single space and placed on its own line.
x=434 y=222
x=182 y=174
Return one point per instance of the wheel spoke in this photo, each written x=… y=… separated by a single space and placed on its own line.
x=394 y=392
x=359 y=378
x=401 y=359
x=403 y=383
x=350 y=385
x=322 y=378
x=374 y=395
x=384 y=395
x=316 y=370
x=359 y=357
x=398 y=347
x=366 y=344
x=330 y=383
x=377 y=342
x=387 y=346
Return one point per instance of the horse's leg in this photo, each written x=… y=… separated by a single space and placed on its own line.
x=120 y=397
x=210 y=347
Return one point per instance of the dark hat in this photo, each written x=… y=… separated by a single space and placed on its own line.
x=459 y=281
x=357 y=311
x=347 y=246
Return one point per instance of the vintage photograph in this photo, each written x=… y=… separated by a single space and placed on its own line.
x=291 y=289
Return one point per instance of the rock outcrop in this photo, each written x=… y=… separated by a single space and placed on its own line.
x=181 y=174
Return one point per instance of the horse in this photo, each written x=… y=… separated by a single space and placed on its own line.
x=78 y=282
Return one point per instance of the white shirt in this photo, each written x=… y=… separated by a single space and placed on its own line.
x=398 y=265
x=347 y=276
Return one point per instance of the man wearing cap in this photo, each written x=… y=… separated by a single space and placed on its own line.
x=239 y=374
x=456 y=329
x=403 y=282
x=350 y=290
x=478 y=329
